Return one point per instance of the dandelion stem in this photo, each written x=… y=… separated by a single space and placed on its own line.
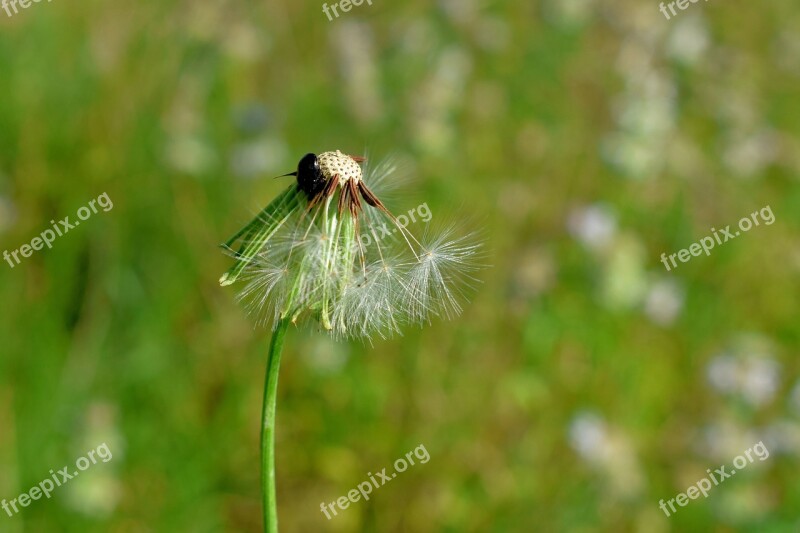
x=268 y=427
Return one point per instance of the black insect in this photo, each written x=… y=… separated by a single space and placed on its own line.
x=309 y=176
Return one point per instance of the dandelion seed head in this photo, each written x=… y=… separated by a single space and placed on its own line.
x=305 y=257
x=336 y=164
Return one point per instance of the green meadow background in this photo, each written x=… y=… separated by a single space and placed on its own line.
x=582 y=384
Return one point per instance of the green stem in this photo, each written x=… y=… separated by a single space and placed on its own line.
x=268 y=427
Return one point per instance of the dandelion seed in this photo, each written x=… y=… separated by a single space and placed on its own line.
x=439 y=281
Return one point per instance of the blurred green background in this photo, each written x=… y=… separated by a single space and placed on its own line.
x=583 y=383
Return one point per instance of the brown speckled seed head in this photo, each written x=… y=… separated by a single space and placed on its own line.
x=336 y=163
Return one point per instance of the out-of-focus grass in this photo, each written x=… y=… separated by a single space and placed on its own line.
x=583 y=384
